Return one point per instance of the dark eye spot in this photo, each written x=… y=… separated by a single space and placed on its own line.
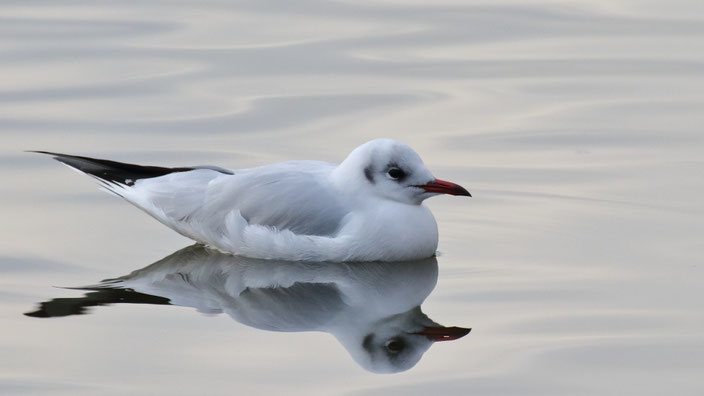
x=368 y=174
x=396 y=173
x=395 y=346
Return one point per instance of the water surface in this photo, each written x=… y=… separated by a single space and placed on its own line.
x=577 y=126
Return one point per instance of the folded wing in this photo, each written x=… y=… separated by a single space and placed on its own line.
x=215 y=206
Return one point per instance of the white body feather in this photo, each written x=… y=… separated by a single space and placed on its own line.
x=287 y=211
x=368 y=208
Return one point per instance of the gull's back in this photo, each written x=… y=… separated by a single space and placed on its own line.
x=291 y=196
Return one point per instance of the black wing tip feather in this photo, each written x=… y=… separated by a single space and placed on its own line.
x=111 y=171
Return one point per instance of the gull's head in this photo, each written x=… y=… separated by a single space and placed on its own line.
x=391 y=170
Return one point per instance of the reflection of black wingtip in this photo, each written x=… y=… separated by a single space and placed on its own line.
x=59 y=307
x=37 y=314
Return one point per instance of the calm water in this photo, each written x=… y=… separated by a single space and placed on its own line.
x=577 y=126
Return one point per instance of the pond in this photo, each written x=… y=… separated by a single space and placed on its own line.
x=577 y=263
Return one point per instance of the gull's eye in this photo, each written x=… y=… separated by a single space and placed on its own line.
x=396 y=173
x=395 y=346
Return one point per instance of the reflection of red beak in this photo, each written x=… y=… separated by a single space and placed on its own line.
x=445 y=187
x=444 y=333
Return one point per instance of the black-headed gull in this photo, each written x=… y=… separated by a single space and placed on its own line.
x=372 y=309
x=367 y=208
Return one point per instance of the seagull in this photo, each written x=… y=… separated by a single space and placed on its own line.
x=367 y=208
x=373 y=309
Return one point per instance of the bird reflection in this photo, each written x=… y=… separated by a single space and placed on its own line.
x=373 y=309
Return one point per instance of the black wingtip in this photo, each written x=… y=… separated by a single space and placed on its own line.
x=41 y=152
x=56 y=156
x=111 y=171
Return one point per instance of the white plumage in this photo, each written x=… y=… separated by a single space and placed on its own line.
x=367 y=208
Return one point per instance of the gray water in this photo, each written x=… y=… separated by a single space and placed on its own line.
x=577 y=126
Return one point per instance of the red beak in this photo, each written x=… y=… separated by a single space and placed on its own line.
x=444 y=333
x=445 y=187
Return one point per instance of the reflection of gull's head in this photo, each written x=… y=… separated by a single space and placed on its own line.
x=373 y=309
x=397 y=343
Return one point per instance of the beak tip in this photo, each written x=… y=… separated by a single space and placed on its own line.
x=459 y=190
